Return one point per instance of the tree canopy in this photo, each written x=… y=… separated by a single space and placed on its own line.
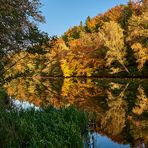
x=18 y=27
x=114 y=43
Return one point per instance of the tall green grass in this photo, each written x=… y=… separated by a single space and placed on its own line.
x=49 y=128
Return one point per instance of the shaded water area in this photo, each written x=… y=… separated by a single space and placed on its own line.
x=118 y=107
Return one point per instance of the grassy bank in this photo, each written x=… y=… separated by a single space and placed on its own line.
x=48 y=128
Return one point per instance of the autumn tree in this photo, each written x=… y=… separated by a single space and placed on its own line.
x=113 y=14
x=72 y=33
x=82 y=58
x=90 y=25
x=18 y=26
x=111 y=35
x=38 y=63
x=138 y=37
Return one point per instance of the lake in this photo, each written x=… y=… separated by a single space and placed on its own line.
x=119 y=107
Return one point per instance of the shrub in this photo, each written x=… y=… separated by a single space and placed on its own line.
x=47 y=128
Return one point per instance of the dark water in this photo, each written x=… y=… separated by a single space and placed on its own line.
x=119 y=106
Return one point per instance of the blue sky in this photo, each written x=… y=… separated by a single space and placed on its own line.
x=63 y=14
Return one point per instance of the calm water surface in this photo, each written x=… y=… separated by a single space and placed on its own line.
x=119 y=106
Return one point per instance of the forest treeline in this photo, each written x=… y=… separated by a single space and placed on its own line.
x=114 y=43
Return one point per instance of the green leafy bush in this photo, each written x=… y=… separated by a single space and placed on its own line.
x=42 y=128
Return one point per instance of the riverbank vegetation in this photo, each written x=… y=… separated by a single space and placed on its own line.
x=42 y=128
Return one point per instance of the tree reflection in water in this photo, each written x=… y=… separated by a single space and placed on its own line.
x=120 y=106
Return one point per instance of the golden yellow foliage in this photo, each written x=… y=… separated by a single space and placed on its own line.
x=141 y=54
x=138 y=37
x=114 y=13
x=112 y=36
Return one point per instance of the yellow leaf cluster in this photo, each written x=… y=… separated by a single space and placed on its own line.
x=141 y=54
x=112 y=36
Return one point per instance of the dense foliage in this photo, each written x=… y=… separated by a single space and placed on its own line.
x=18 y=29
x=46 y=128
x=111 y=44
x=116 y=40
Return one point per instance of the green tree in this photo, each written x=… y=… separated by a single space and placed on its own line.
x=18 y=26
